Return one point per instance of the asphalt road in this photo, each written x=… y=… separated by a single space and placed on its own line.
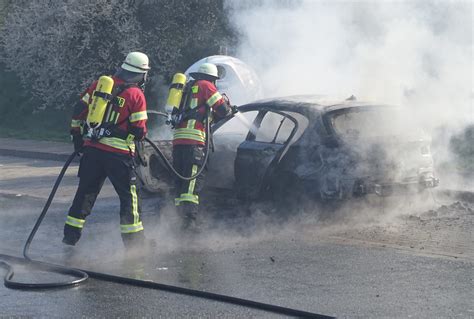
x=302 y=263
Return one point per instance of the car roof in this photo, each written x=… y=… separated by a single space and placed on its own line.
x=320 y=103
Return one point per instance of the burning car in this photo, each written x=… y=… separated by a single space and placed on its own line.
x=313 y=147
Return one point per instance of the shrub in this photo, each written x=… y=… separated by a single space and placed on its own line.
x=56 y=48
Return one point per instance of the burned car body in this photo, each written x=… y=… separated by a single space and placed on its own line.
x=313 y=147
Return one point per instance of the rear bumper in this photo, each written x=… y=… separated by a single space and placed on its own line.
x=387 y=189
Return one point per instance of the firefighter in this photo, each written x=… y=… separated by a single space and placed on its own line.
x=109 y=149
x=189 y=141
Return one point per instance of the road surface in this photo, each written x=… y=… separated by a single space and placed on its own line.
x=368 y=260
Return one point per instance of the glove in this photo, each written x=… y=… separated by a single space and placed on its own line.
x=173 y=120
x=176 y=119
x=170 y=109
x=234 y=109
x=78 y=142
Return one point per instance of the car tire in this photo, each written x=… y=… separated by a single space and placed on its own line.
x=154 y=176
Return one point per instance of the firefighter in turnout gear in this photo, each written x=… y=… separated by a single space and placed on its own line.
x=107 y=137
x=201 y=99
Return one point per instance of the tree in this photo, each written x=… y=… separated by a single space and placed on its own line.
x=177 y=33
x=57 y=48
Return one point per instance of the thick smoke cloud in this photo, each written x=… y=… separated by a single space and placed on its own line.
x=417 y=54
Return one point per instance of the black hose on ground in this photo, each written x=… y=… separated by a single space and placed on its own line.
x=83 y=275
x=178 y=290
x=80 y=275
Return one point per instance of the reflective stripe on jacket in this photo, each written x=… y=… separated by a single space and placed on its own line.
x=193 y=131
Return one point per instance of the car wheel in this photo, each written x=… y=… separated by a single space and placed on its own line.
x=154 y=176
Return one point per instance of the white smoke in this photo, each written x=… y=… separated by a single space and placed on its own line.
x=413 y=53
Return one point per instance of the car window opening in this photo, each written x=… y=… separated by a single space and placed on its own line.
x=371 y=124
x=274 y=129
x=278 y=130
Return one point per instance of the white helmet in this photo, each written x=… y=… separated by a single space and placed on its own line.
x=206 y=69
x=136 y=62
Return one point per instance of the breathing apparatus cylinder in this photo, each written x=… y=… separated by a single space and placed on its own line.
x=100 y=100
x=175 y=95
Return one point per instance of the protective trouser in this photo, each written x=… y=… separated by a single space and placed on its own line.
x=188 y=160
x=95 y=166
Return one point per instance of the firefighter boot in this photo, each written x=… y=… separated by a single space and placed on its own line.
x=138 y=241
x=71 y=235
x=190 y=221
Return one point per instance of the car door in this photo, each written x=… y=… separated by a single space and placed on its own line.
x=227 y=136
x=258 y=155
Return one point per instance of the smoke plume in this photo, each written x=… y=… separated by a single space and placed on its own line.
x=418 y=54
